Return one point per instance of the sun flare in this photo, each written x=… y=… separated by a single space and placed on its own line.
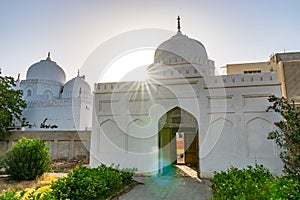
x=131 y=66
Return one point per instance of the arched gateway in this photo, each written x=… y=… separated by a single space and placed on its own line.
x=178 y=140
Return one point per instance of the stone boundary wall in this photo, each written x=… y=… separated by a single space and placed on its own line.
x=64 y=145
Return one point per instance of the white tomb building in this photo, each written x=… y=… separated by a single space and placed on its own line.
x=53 y=103
x=223 y=118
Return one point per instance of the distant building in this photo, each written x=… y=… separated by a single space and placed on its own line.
x=287 y=66
x=53 y=103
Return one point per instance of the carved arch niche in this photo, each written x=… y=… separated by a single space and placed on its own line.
x=112 y=137
x=222 y=138
x=257 y=142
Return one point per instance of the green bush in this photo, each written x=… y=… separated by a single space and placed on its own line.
x=39 y=193
x=91 y=183
x=286 y=187
x=27 y=159
x=254 y=183
x=9 y=195
x=241 y=184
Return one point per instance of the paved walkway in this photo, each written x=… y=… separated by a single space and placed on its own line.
x=169 y=187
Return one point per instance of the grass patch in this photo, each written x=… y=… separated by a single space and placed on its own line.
x=9 y=184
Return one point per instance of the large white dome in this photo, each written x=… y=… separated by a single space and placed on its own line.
x=180 y=48
x=46 y=70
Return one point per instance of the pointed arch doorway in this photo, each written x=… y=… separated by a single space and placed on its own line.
x=178 y=141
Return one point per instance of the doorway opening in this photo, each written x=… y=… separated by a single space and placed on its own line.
x=178 y=141
x=180 y=148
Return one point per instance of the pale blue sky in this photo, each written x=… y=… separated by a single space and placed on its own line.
x=232 y=31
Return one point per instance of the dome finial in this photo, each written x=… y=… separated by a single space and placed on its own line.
x=78 y=73
x=48 y=58
x=178 y=24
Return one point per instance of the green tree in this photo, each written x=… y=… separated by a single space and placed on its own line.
x=287 y=134
x=11 y=103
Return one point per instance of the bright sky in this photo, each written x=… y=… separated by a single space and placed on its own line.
x=232 y=31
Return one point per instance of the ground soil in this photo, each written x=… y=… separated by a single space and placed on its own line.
x=63 y=166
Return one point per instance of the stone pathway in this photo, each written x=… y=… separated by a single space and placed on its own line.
x=187 y=171
x=169 y=187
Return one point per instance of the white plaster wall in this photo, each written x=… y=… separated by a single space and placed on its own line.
x=39 y=87
x=62 y=116
x=67 y=114
x=86 y=109
x=230 y=112
x=238 y=137
x=126 y=132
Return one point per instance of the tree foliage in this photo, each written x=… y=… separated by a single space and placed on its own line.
x=287 y=134
x=11 y=104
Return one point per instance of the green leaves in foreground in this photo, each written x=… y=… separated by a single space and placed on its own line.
x=91 y=183
x=254 y=183
x=81 y=184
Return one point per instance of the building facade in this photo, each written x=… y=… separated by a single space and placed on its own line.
x=223 y=118
x=286 y=65
x=53 y=103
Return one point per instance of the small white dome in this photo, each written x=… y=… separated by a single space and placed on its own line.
x=76 y=87
x=46 y=70
x=180 y=49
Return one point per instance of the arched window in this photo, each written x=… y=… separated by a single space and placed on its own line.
x=29 y=93
x=48 y=94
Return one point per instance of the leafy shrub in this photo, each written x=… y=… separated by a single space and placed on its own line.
x=126 y=175
x=287 y=134
x=39 y=193
x=9 y=195
x=286 y=187
x=241 y=184
x=254 y=183
x=27 y=159
x=91 y=183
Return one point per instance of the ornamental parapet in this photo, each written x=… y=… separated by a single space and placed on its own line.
x=242 y=80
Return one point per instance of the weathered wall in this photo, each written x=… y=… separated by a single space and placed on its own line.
x=242 y=67
x=291 y=77
x=63 y=144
